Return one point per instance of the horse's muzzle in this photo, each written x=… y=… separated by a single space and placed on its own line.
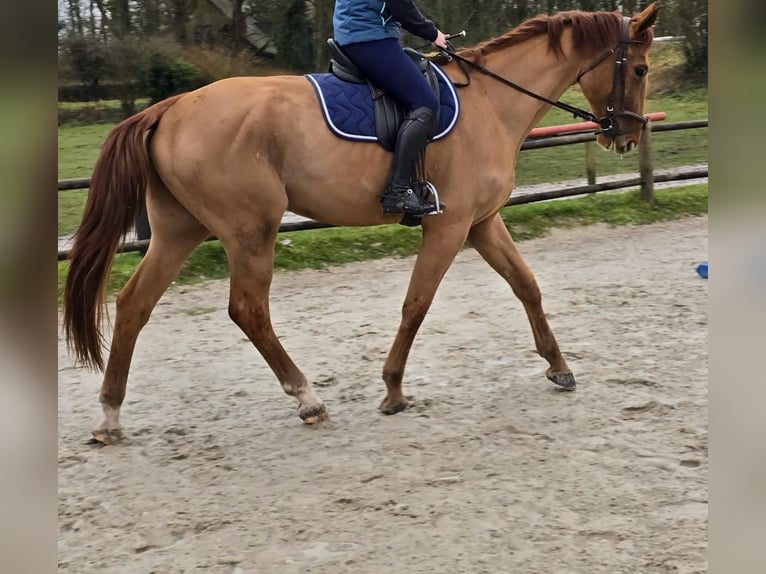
x=613 y=127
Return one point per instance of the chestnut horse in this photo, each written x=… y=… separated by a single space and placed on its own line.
x=230 y=158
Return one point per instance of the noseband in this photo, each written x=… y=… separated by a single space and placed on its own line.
x=609 y=124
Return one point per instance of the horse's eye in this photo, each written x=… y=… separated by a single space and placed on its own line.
x=641 y=70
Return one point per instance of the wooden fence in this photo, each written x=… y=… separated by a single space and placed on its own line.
x=551 y=136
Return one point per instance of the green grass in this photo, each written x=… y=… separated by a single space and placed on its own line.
x=88 y=113
x=79 y=147
x=537 y=219
x=335 y=246
x=111 y=105
x=78 y=151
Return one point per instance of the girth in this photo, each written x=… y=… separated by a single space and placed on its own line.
x=389 y=112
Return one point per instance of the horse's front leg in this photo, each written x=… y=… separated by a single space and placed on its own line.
x=440 y=245
x=494 y=243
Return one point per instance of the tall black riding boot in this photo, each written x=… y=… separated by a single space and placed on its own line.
x=399 y=197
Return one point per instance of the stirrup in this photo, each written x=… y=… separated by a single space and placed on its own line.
x=432 y=193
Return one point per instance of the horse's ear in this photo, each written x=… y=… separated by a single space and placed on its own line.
x=645 y=19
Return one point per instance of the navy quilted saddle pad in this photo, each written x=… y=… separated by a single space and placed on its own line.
x=348 y=108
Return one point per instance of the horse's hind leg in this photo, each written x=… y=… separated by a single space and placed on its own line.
x=494 y=243
x=251 y=264
x=175 y=234
x=439 y=248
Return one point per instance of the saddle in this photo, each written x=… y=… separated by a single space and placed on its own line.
x=389 y=113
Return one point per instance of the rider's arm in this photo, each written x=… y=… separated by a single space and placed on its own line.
x=411 y=18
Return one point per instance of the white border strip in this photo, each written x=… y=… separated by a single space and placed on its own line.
x=451 y=88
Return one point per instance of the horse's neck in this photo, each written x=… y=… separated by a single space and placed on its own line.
x=533 y=66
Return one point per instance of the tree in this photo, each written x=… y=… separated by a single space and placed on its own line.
x=88 y=59
x=105 y=18
x=295 y=50
x=76 y=26
x=694 y=26
x=121 y=22
x=322 y=30
x=238 y=26
x=149 y=16
x=126 y=68
x=179 y=13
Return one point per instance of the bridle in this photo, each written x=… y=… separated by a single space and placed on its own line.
x=609 y=125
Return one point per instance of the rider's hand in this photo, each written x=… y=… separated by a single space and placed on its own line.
x=441 y=40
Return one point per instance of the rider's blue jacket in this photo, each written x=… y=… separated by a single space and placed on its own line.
x=365 y=20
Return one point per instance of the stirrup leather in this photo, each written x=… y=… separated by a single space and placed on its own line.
x=427 y=189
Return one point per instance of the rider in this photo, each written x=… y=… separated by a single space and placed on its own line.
x=369 y=31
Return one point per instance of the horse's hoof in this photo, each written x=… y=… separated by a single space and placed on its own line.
x=106 y=436
x=391 y=408
x=565 y=380
x=314 y=414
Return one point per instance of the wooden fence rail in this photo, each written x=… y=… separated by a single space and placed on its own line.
x=645 y=179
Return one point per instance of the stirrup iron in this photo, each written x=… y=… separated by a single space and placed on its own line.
x=433 y=193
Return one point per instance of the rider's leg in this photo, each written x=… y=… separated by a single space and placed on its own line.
x=389 y=68
x=413 y=136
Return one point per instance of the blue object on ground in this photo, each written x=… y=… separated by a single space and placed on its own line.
x=702 y=270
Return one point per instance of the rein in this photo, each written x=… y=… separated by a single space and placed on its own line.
x=575 y=111
x=608 y=124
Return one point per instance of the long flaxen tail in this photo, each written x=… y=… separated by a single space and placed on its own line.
x=117 y=191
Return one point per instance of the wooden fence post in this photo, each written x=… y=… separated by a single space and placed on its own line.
x=645 y=167
x=590 y=162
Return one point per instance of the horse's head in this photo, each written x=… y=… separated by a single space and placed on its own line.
x=615 y=84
